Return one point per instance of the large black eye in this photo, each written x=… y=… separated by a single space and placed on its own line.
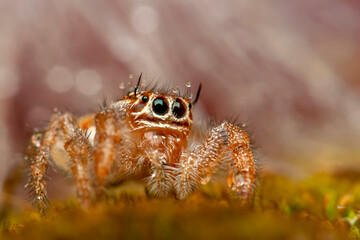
x=178 y=108
x=160 y=106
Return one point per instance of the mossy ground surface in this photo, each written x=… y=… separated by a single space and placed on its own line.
x=321 y=207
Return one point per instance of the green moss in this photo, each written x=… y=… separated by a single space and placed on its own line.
x=321 y=207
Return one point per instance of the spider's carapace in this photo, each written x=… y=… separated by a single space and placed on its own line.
x=144 y=135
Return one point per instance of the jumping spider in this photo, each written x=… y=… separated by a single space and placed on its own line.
x=144 y=135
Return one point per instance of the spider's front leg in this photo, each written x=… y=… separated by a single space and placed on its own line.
x=59 y=128
x=198 y=166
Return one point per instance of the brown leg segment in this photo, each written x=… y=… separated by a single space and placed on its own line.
x=161 y=179
x=242 y=169
x=80 y=151
x=38 y=154
x=198 y=166
x=37 y=174
x=107 y=142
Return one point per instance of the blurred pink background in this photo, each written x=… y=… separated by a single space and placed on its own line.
x=290 y=69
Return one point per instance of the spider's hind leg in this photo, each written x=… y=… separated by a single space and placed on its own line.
x=38 y=153
x=38 y=157
x=81 y=152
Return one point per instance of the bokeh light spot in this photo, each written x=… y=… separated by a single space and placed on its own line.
x=88 y=82
x=124 y=48
x=60 y=79
x=145 y=19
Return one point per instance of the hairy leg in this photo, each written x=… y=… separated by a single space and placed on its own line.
x=39 y=152
x=107 y=144
x=161 y=153
x=198 y=166
x=161 y=177
x=80 y=151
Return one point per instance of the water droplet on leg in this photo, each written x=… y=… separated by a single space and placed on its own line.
x=36 y=139
x=236 y=181
x=205 y=180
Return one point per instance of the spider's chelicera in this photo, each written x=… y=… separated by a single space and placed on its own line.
x=144 y=135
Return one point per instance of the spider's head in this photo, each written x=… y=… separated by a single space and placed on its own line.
x=163 y=113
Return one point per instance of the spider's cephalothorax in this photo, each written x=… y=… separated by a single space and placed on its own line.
x=144 y=135
x=157 y=116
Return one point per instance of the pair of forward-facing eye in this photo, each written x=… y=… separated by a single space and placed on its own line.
x=161 y=107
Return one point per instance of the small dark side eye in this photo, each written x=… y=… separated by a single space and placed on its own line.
x=145 y=99
x=178 y=108
x=160 y=106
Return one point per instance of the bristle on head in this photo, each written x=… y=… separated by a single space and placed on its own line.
x=197 y=94
x=137 y=85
